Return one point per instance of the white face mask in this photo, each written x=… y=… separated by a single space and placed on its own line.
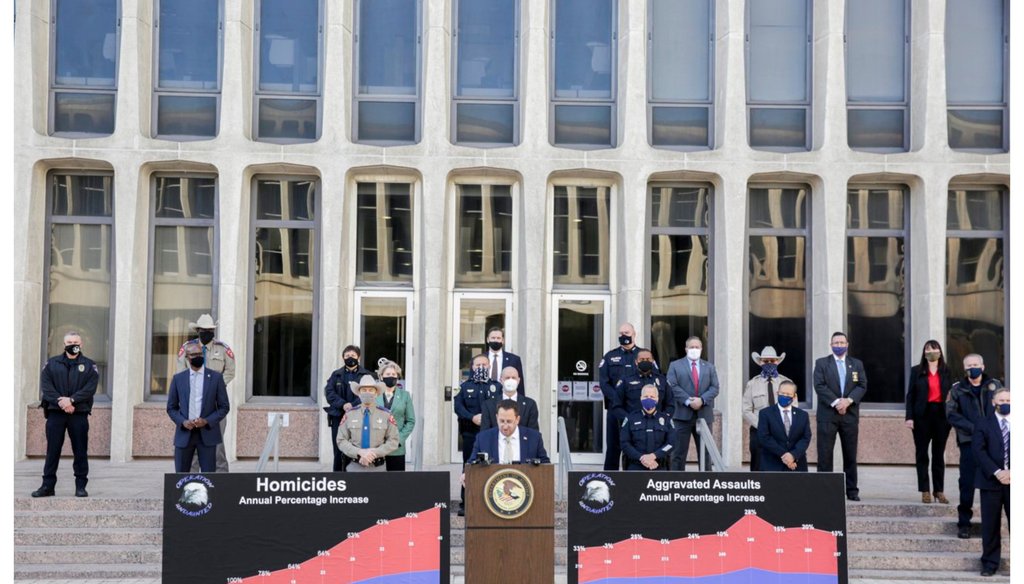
x=693 y=354
x=510 y=386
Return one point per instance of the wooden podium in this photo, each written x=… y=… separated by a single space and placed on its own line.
x=510 y=533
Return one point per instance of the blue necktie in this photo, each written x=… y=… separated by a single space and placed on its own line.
x=842 y=378
x=1006 y=443
x=366 y=428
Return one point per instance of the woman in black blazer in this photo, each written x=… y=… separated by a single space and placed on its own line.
x=927 y=389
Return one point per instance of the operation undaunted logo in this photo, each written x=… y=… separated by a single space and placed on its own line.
x=508 y=493
x=597 y=493
x=194 y=499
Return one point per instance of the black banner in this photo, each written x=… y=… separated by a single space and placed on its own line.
x=706 y=527
x=294 y=528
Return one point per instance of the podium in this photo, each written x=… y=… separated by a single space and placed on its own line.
x=510 y=523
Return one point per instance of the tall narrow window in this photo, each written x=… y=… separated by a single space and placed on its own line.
x=387 y=88
x=584 y=51
x=680 y=265
x=485 y=103
x=777 y=278
x=581 y=236
x=484 y=239
x=285 y=313
x=384 y=232
x=289 y=43
x=977 y=74
x=79 y=291
x=877 y=59
x=183 y=262
x=189 y=52
x=976 y=233
x=84 y=80
x=680 y=54
x=876 y=287
x=779 y=74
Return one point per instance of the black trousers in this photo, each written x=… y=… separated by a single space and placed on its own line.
x=684 y=430
x=965 y=510
x=613 y=448
x=846 y=427
x=340 y=460
x=468 y=439
x=755 y=450
x=76 y=426
x=992 y=502
x=395 y=462
x=207 y=454
x=930 y=433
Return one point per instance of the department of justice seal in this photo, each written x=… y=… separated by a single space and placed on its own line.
x=508 y=493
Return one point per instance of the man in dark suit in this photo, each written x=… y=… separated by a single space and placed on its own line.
x=527 y=406
x=991 y=445
x=500 y=358
x=197 y=402
x=510 y=443
x=694 y=383
x=840 y=384
x=784 y=432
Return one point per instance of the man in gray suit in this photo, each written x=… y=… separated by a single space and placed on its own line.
x=694 y=384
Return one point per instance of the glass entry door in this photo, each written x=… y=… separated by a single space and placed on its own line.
x=581 y=338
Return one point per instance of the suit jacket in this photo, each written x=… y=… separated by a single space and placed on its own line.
x=404 y=414
x=755 y=396
x=771 y=435
x=826 y=386
x=531 y=445
x=965 y=411
x=214 y=407
x=917 y=390
x=512 y=360
x=528 y=415
x=988 y=452
x=681 y=384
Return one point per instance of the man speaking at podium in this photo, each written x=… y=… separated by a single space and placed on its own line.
x=509 y=443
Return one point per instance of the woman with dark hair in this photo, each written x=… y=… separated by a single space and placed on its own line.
x=927 y=389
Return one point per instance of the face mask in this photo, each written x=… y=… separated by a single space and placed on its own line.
x=205 y=337
x=390 y=381
x=785 y=401
x=196 y=361
x=625 y=340
x=645 y=367
x=1004 y=409
x=367 y=397
x=648 y=403
x=510 y=385
x=839 y=351
x=932 y=355
x=72 y=350
x=974 y=372
x=351 y=362
x=494 y=345
x=480 y=374
x=693 y=354
x=769 y=369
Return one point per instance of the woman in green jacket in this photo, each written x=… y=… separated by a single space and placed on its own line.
x=399 y=402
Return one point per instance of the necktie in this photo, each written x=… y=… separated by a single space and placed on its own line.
x=842 y=378
x=494 y=367
x=1006 y=443
x=786 y=421
x=366 y=428
x=696 y=378
x=507 y=459
x=771 y=395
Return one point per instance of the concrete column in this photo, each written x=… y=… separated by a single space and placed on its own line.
x=429 y=320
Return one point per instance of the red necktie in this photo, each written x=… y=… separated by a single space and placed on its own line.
x=696 y=380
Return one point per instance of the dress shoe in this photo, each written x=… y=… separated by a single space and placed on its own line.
x=926 y=497
x=988 y=572
x=43 y=492
x=81 y=492
x=963 y=532
x=853 y=497
x=941 y=498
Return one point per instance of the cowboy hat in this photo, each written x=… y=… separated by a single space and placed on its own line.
x=205 y=322
x=366 y=381
x=767 y=353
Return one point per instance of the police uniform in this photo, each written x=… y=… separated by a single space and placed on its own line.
x=468 y=403
x=380 y=429
x=630 y=387
x=337 y=393
x=616 y=364
x=76 y=379
x=217 y=356
x=644 y=433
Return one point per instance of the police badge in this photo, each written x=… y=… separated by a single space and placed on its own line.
x=856 y=377
x=81 y=368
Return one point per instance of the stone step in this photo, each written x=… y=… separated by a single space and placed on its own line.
x=930 y=576
x=87 y=554
x=869 y=542
x=87 y=504
x=75 y=572
x=908 y=525
x=29 y=536
x=922 y=561
x=88 y=519
x=871 y=509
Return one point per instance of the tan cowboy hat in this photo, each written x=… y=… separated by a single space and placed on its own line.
x=767 y=353
x=205 y=322
x=366 y=381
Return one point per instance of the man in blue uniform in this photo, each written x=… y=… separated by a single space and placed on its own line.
x=340 y=398
x=477 y=389
x=648 y=436
x=616 y=364
x=644 y=373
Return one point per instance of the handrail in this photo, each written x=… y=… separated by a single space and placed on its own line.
x=272 y=444
x=564 y=459
x=708 y=448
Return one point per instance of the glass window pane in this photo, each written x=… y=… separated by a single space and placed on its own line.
x=289 y=46
x=387 y=45
x=86 y=43
x=976 y=129
x=974 y=51
x=584 y=58
x=283 y=312
x=583 y=125
x=293 y=119
x=581 y=226
x=88 y=196
x=484 y=123
x=975 y=303
x=975 y=209
x=875 y=208
x=383 y=324
x=185 y=198
x=189 y=44
x=486 y=48
x=778 y=208
x=90 y=113
x=178 y=115
x=679 y=126
x=875 y=128
x=784 y=128
x=778 y=51
x=484 y=244
x=680 y=50
x=875 y=50
x=679 y=292
x=288 y=200
x=79 y=291
x=679 y=206
x=581 y=328
x=390 y=121
x=476 y=317
x=384 y=232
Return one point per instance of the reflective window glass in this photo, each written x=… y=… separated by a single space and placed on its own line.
x=977 y=54
x=486 y=45
x=88 y=113
x=484 y=240
x=388 y=40
x=289 y=42
x=384 y=232
x=85 y=43
x=581 y=231
x=680 y=35
x=189 y=44
x=583 y=48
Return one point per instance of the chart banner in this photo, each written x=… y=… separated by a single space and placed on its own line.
x=294 y=528
x=697 y=528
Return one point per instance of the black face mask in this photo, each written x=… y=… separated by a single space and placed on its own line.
x=625 y=340
x=351 y=362
x=205 y=337
x=390 y=381
x=72 y=350
x=645 y=367
x=197 y=361
x=494 y=345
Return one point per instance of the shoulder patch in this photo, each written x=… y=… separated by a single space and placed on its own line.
x=227 y=349
x=391 y=420
x=383 y=409
x=96 y=369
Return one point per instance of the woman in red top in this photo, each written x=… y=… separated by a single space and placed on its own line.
x=927 y=388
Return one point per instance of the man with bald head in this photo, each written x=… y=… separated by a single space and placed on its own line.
x=527 y=407
x=617 y=364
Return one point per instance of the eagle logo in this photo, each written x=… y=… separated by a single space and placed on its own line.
x=508 y=493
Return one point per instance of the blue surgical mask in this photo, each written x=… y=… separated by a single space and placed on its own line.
x=974 y=372
x=648 y=403
x=785 y=401
x=839 y=351
x=770 y=369
x=1004 y=409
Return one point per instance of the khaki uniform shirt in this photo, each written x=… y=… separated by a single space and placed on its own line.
x=755 y=396
x=383 y=432
x=219 y=358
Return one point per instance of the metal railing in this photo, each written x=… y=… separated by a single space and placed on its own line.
x=708 y=448
x=273 y=444
x=564 y=461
